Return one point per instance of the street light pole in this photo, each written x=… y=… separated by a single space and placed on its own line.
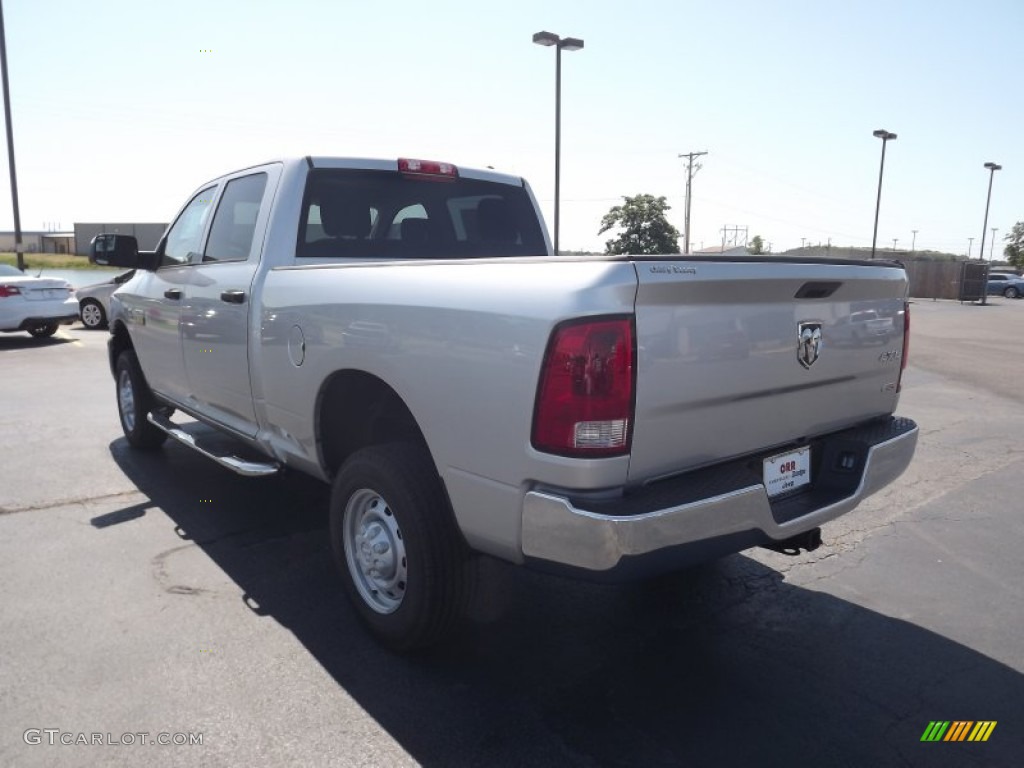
x=913 y=242
x=570 y=44
x=19 y=249
x=885 y=136
x=992 y=247
x=970 y=243
x=992 y=168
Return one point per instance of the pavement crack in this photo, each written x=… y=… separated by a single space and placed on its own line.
x=82 y=500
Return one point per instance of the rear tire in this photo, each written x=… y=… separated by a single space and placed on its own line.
x=43 y=331
x=1011 y=293
x=92 y=314
x=402 y=559
x=134 y=403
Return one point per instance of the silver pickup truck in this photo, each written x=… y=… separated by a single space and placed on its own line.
x=402 y=331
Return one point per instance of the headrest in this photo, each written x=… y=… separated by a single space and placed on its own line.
x=415 y=230
x=341 y=216
x=494 y=221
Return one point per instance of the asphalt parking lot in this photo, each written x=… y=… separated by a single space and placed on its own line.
x=160 y=594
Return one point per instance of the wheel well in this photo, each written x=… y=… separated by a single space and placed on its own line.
x=355 y=410
x=120 y=341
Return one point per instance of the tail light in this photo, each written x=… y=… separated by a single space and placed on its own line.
x=906 y=345
x=427 y=170
x=9 y=290
x=585 y=395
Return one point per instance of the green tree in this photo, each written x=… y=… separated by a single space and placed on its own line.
x=756 y=245
x=645 y=230
x=1014 y=250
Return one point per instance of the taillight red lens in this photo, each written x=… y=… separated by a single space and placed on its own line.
x=585 y=395
x=906 y=345
x=9 y=290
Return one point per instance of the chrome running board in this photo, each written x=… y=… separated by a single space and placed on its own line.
x=234 y=463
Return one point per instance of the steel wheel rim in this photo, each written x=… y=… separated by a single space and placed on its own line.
x=126 y=400
x=375 y=551
x=91 y=315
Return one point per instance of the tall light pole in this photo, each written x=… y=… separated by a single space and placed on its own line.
x=992 y=168
x=560 y=43
x=19 y=249
x=886 y=137
x=894 y=241
x=970 y=243
x=992 y=247
x=913 y=242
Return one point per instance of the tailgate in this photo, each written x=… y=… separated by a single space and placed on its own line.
x=720 y=369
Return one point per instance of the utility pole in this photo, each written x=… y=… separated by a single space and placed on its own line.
x=992 y=248
x=970 y=244
x=894 y=241
x=19 y=249
x=690 y=170
x=802 y=241
x=913 y=242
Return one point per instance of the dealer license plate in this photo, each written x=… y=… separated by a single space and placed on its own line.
x=787 y=471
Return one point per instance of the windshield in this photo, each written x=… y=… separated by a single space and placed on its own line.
x=7 y=269
x=386 y=215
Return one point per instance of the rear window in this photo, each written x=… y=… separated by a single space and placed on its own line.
x=385 y=215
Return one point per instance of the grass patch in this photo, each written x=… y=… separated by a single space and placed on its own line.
x=51 y=261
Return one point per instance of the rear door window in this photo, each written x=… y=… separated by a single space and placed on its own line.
x=234 y=223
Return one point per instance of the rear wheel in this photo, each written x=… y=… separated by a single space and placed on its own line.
x=44 y=330
x=134 y=403
x=403 y=562
x=1011 y=292
x=92 y=314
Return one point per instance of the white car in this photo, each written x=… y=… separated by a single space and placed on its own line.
x=94 y=300
x=38 y=305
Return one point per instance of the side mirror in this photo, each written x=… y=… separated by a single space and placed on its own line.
x=114 y=251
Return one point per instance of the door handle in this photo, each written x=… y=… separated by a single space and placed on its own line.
x=172 y=293
x=233 y=297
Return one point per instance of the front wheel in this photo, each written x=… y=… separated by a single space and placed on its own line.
x=403 y=562
x=1011 y=292
x=43 y=331
x=134 y=403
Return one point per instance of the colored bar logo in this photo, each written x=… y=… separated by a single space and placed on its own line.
x=958 y=730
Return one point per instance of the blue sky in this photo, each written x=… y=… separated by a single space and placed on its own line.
x=119 y=111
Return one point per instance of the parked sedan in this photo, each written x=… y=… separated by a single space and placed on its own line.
x=1005 y=284
x=94 y=300
x=38 y=305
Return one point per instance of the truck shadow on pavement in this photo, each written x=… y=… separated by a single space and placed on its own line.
x=725 y=664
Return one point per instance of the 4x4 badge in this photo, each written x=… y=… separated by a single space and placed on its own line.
x=808 y=343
